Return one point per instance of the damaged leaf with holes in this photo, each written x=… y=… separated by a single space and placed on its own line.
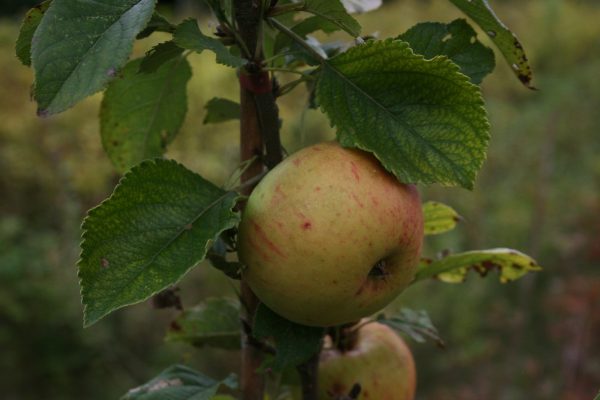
x=439 y=218
x=510 y=265
x=506 y=41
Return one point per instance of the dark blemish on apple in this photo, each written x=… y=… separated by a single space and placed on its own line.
x=354 y=170
x=318 y=189
x=306 y=225
x=262 y=235
x=379 y=270
x=335 y=282
x=104 y=263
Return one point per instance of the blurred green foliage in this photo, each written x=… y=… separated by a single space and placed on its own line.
x=539 y=192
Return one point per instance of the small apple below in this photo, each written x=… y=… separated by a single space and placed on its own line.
x=378 y=360
x=329 y=236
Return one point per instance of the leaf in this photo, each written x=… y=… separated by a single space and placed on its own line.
x=30 y=24
x=456 y=40
x=334 y=11
x=439 y=218
x=416 y=324
x=189 y=37
x=294 y=343
x=80 y=45
x=303 y=28
x=361 y=6
x=158 y=55
x=157 y=23
x=511 y=265
x=423 y=119
x=159 y=222
x=215 y=323
x=141 y=113
x=221 y=110
x=508 y=43
x=180 y=383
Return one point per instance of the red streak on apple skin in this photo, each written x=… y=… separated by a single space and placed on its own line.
x=259 y=231
x=297 y=162
x=354 y=169
x=307 y=225
x=357 y=200
x=263 y=253
x=318 y=189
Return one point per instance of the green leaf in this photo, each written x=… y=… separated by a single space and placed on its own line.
x=303 y=28
x=159 y=55
x=157 y=23
x=506 y=41
x=159 y=222
x=214 y=323
x=423 y=119
x=30 y=24
x=141 y=113
x=334 y=11
x=221 y=110
x=189 y=37
x=294 y=343
x=439 y=218
x=511 y=265
x=80 y=45
x=456 y=40
x=180 y=383
x=416 y=324
x=361 y=6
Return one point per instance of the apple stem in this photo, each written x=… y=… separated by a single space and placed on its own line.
x=309 y=377
x=259 y=125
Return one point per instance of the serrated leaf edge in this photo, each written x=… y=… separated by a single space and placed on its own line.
x=86 y=321
x=401 y=175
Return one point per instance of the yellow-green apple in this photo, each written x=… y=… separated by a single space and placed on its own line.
x=378 y=360
x=329 y=236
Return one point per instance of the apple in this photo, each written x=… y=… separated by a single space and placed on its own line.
x=329 y=236
x=379 y=361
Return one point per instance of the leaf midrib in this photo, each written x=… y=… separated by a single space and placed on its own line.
x=84 y=56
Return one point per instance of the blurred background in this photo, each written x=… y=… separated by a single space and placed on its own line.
x=539 y=192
